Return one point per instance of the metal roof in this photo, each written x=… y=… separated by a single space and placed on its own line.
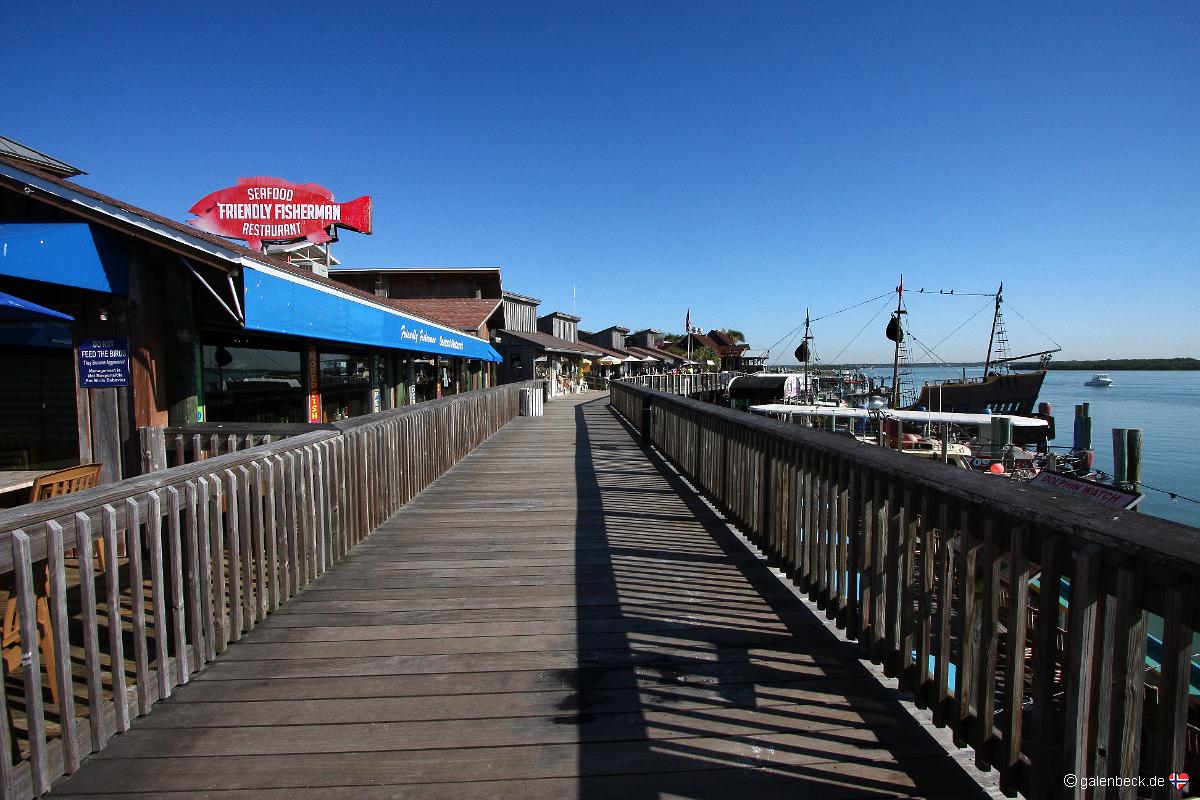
x=17 y=150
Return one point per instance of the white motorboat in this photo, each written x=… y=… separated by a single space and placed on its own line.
x=1100 y=379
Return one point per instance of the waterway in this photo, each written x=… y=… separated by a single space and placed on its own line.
x=1165 y=405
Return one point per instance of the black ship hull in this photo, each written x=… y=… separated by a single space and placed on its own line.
x=1010 y=393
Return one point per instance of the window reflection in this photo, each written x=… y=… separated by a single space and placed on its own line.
x=252 y=384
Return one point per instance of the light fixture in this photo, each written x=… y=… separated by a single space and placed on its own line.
x=104 y=315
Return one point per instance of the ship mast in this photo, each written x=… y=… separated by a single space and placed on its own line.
x=987 y=362
x=896 y=334
x=805 y=354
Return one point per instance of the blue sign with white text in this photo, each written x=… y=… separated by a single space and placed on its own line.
x=103 y=363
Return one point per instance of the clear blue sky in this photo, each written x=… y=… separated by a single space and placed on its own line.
x=743 y=159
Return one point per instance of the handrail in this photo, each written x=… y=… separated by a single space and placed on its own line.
x=679 y=383
x=219 y=543
x=888 y=545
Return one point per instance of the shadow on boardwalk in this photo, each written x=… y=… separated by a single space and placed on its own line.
x=738 y=689
x=555 y=617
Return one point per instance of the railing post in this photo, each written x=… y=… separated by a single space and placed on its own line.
x=647 y=415
x=154 y=449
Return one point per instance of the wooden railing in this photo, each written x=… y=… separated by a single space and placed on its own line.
x=685 y=384
x=182 y=562
x=936 y=572
x=175 y=445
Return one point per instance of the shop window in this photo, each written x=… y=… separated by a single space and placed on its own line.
x=253 y=384
x=345 y=385
x=39 y=427
x=424 y=379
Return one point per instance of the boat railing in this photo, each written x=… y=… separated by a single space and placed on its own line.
x=119 y=593
x=935 y=573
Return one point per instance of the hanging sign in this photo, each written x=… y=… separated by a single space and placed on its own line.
x=274 y=210
x=103 y=363
x=1092 y=490
x=314 y=386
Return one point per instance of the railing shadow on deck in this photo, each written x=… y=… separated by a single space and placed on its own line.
x=888 y=545
x=131 y=587
x=719 y=699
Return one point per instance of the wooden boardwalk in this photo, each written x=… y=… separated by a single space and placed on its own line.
x=555 y=617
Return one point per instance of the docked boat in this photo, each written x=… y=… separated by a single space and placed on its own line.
x=1100 y=379
x=999 y=390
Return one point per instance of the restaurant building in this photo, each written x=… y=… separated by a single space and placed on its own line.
x=115 y=318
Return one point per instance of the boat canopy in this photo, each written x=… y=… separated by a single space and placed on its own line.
x=903 y=415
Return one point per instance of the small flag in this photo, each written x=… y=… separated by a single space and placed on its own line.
x=1179 y=780
x=687 y=322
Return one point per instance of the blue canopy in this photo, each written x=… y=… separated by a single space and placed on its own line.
x=16 y=308
x=76 y=254
x=278 y=302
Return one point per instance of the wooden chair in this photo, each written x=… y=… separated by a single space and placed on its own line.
x=65 y=481
x=55 y=484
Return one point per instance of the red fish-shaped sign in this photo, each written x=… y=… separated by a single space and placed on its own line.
x=274 y=210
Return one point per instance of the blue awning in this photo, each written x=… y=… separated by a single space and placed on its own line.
x=75 y=254
x=277 y=302
x=16 y=308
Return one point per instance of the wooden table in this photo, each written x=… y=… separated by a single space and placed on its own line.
x=15 y=480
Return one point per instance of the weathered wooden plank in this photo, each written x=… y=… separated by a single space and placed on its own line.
x=112 y=612
x=137 y=600
x=61 y=661
x=91 y=642
x=158 y=592
x=178 y=613
x=1020 y=574
x=1082 y=666
x=1172 y=713
x=31 y=666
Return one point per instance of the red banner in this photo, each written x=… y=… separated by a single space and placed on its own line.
x=274 y=210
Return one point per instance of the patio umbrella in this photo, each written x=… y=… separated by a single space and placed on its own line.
x=609 y=360
x=16 y=308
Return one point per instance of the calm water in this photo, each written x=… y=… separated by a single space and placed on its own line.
x=1165 y=405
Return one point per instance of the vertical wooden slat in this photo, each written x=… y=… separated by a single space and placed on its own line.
x=258 y=510
x=87 y=619
x=1081 y=658
x=137 y=599
x=193 y=534
x=925 y=601
x=1019 y=574
x=223 y=605
x=233 y=554
x=988 y=574
x=116 y=636
x=31 y=665
x=211 y=591
x=246 y=547
x=945 y=595
x=909 y=525
x=1044 y=761
x=59 y=622
x=6 y=749
x=1170 y=730
x=1128 y=677
x=158 y=593
x=969 y=624
x=178 y=613
x=271 y=532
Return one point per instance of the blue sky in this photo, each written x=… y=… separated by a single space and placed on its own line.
x=746 y=160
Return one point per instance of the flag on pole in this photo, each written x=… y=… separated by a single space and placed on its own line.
x=687 y=322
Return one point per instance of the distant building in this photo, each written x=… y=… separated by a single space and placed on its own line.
x=540 y=347
x=734 y=356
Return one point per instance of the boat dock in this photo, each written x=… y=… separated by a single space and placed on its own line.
x=455 y=601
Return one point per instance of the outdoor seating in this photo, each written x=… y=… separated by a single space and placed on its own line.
x=65 y=481
x=55 y=484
